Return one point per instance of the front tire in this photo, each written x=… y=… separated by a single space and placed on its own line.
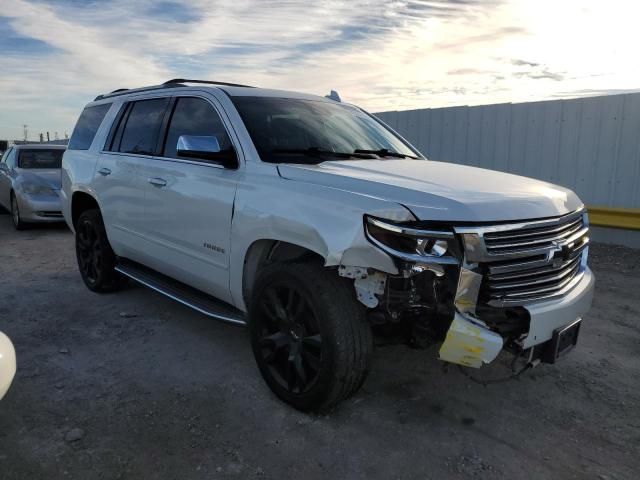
x=96 y=260
x=309 y=335
x=15 y=213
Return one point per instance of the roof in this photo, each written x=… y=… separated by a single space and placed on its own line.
x=266 y=92
x=234 y=90
x=40 y=146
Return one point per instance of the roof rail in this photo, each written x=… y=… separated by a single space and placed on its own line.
x=123 y=91
x=175 y=82
x=212 y=82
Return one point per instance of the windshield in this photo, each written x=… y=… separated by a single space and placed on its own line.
x=287 y=130
x=40 y=158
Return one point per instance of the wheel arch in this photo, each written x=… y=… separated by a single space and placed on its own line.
x=80 y=202
x=265 y=251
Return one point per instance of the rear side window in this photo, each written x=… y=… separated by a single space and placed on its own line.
x=9 y=158
x=142 y=128
x=40 y=158
x=194 y=116
x=87 y=126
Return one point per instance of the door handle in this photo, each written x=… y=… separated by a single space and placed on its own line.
x=157 y=181
x=104 y=172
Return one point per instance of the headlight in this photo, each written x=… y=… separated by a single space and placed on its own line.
x=34 y=189
x=411 y=244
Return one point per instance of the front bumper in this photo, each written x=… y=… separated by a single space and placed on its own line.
x=549 y=315
x=40 y=208
x=471 y=343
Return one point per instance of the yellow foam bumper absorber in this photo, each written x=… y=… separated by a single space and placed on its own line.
x=627 y=218
x=470 y=344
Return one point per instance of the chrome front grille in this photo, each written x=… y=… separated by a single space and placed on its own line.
x=528 y=261
x=507 y=241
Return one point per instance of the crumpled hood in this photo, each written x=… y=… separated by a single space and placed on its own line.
x=442 y=191
x=49 y=177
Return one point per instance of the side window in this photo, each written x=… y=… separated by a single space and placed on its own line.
x=115 y=134
x=194 y=116
x=5 y=156
x=140 y=134
x=10 y=158
x=87 y=126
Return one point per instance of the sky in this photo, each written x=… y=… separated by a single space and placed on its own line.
x=57 y=55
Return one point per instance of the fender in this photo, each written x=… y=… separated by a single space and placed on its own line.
x=326 y=221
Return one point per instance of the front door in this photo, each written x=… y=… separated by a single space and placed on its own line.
x=189 y=203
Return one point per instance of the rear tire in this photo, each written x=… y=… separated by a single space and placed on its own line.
x=15 y=214
x=96 y=260
x=309 y=335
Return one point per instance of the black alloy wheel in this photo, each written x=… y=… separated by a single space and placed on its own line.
x=309 y=334
x=96 y=259
x=290 y=343
x=89 y=251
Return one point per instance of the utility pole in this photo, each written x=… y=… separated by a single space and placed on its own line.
x=25 y=131
x=41 y=137
x=48 y=139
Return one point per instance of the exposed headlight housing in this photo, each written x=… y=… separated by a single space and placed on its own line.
x=35 y=189
x=411 y=244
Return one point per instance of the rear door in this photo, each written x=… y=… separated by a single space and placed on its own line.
x=118 y=179
x=189 y=201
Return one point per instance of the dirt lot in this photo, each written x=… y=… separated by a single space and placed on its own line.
x=133 y=385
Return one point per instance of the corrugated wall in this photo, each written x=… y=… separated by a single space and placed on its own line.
x=591 y=145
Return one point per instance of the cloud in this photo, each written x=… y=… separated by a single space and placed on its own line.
x=541 y=74
x=384 y=55
x=82 y=48
x=523 y=63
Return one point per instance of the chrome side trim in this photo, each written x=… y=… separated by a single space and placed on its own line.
x=211 y=314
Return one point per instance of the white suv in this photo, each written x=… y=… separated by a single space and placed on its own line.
x=318 y=226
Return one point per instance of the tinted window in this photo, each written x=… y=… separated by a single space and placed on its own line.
x=40 y=158
x=115 y=134
x=5 y=155
x=141 y=132
x=279 y=127
x=87 y=126
x=194 y=116
x=10 y=158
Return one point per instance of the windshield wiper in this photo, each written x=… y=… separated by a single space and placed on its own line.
x=383 y=152
x=317 y=152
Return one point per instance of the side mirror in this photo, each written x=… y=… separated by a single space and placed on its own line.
x=206 y=148
x=4 y=167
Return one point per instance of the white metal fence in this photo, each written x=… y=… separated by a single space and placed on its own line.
x=591 y=145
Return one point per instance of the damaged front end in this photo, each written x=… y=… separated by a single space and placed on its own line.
x=431 y=299
x=471 y=288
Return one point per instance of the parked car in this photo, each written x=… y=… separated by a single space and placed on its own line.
x=317 y=225
x=7 y=364
x=30 y=183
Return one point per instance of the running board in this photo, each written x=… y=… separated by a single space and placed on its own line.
x=178 y=291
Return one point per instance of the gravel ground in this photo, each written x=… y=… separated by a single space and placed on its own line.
x=133 y=385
